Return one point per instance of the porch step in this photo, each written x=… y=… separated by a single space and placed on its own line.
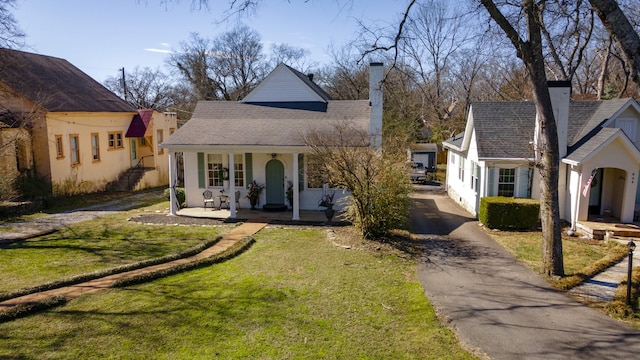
x=598 y=230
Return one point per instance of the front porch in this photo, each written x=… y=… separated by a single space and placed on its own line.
x=307 y=217
x=597 y=227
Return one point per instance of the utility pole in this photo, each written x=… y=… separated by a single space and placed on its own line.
x=123 y=83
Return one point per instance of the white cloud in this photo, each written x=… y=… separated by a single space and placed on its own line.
x=162 y=51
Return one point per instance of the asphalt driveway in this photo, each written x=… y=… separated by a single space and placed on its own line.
x=498 y=307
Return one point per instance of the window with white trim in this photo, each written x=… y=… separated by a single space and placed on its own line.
x=238 y=170
x=95 y=147
x=461 y=169
x=475 y=172
x=506 y=182
x=215 y=170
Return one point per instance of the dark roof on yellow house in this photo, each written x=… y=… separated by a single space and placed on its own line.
x=55 y=84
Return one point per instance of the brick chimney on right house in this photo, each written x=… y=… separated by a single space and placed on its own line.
x=376 y=74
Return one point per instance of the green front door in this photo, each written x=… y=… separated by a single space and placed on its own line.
x=275 y=182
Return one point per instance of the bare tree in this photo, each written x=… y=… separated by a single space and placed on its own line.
x=622 y=31
x=11 y=36
x=290 y=55
x=193 y=63
x=231 y=65
x=345 y=78
x=237 y=62
x=145 y=88
x=377 y=181
x=567 y=28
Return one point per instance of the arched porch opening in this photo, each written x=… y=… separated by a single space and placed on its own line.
x=607 y=196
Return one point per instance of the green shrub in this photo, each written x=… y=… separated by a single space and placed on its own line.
x=507 y=213
x=180 y=194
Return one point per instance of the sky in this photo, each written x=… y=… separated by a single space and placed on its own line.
x=102 y=36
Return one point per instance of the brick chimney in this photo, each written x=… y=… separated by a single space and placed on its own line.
x=376 y=74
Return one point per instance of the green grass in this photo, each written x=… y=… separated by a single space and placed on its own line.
x=582 y=258
x=292 y=295
x=98 y=244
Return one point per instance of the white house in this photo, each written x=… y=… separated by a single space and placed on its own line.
x=261 y=138
x=598 y=144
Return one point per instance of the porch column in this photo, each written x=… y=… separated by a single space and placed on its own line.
x=232 y=187
x=296 y=188
x=173 y=176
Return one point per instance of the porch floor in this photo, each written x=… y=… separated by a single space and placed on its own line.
x=597 y=226
x=311 y=217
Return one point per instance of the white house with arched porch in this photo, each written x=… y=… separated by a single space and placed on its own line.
x=227 y=145
x=598 y=145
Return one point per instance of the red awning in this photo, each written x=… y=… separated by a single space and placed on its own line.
x=139 y=123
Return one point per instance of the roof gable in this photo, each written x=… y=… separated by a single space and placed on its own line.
x=600 y=139
x=286 y=85
x=55 y=84
x=585 y=116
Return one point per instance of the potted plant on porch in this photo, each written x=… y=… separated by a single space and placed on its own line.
x=327 y=202
x=254 y=194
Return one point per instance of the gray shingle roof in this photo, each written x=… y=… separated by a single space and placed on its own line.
x=585 y=116
x=505 y=129
x=600 y=136
x=55 y=84
x=226 y=123
x=455 y=141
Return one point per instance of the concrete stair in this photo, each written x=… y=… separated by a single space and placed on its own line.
x=128 y=180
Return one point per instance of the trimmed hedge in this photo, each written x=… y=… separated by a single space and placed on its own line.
x=507 y=213
x=19 y=311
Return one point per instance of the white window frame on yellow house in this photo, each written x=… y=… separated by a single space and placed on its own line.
x=74 y=149
x=95 y=147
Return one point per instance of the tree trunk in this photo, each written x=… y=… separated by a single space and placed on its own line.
x=531 y=54
x=552 y=261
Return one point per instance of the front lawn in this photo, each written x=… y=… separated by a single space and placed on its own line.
x=583 y=258
x=293 y=295
x=98 y=244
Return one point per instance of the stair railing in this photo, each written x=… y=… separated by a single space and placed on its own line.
x=139 y=164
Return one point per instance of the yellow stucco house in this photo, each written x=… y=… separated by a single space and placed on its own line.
x=68 y=130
